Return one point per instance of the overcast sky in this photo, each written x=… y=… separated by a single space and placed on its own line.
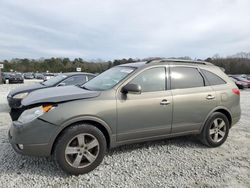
x=109 y=29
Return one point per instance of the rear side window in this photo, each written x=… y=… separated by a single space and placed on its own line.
x=213 y=79
x=151 y=80
x=185 y=77
x=90 y=77
x=74 y=80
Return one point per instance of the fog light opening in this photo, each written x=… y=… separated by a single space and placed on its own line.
x=20 y=146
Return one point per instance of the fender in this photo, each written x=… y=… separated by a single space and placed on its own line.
x=212 y=111
x=78 y=119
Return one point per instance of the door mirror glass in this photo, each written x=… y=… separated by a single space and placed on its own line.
x=131 y=88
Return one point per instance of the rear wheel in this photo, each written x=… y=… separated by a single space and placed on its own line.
x=215 y=131
x=80 y=149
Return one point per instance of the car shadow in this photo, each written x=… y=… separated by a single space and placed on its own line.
x=13 y=163
x=182 y=142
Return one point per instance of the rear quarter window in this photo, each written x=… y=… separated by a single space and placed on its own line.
x=212 y=78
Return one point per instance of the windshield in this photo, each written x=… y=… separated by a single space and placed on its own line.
x=108 y=79
x=54 y=80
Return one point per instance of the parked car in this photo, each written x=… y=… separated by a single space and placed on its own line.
x=39 y=76
x=240 y=84
x=73 y=78
x=245 y=76
x=48 y=76
x=5 y=77
x=28 y=75
x=12 y=77
x=126 y=104
x=241 y=79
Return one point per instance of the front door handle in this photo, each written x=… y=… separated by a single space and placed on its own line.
x=164 y=102
x=210 y=97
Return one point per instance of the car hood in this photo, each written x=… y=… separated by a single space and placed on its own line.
x=27 y=88
x=58 y=94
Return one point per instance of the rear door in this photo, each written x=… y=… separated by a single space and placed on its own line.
x=193 y=98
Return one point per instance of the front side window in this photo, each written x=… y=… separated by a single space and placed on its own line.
x=151 y=80
x=185 y=77
x=213 y=79
x=109 y=78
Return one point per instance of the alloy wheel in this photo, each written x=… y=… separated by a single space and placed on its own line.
x=82 y=150
x=217 y=130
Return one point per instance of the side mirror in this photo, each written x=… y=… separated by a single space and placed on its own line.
x=61 y=84
x=131 y=88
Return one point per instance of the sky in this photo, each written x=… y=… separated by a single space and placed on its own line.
x=111 y=29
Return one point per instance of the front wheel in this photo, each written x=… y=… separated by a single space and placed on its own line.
x=215 y=131
x=80 y=149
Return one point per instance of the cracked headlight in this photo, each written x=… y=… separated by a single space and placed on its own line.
x=20 y=95
x=33 y=113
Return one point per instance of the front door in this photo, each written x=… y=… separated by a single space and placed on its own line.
x=148 y=114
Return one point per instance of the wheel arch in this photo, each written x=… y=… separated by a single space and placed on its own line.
x=227 y=114
x=100 y=124
x=222 y=110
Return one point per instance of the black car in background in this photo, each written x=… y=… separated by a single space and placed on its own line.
x=74 y=78
x=5 y=77
x=12 y=77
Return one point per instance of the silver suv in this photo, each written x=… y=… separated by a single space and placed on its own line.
x=126 y=104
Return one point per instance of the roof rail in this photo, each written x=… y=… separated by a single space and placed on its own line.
x=179 y=61
x=154 y=59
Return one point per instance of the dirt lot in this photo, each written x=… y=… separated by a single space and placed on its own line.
x=178 y=162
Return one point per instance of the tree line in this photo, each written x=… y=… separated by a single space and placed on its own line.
x=232 y=65
x=54 y=65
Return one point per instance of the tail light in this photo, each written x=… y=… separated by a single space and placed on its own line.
x=236 y=91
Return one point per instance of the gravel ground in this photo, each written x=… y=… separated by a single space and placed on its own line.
x=177 y=162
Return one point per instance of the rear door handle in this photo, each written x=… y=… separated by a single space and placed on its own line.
x=164 y=102
x=210 y=97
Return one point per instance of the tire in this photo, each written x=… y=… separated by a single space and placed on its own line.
x=211 y=129
x=76 y=140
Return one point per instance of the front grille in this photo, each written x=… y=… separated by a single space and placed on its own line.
x=15 y=113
